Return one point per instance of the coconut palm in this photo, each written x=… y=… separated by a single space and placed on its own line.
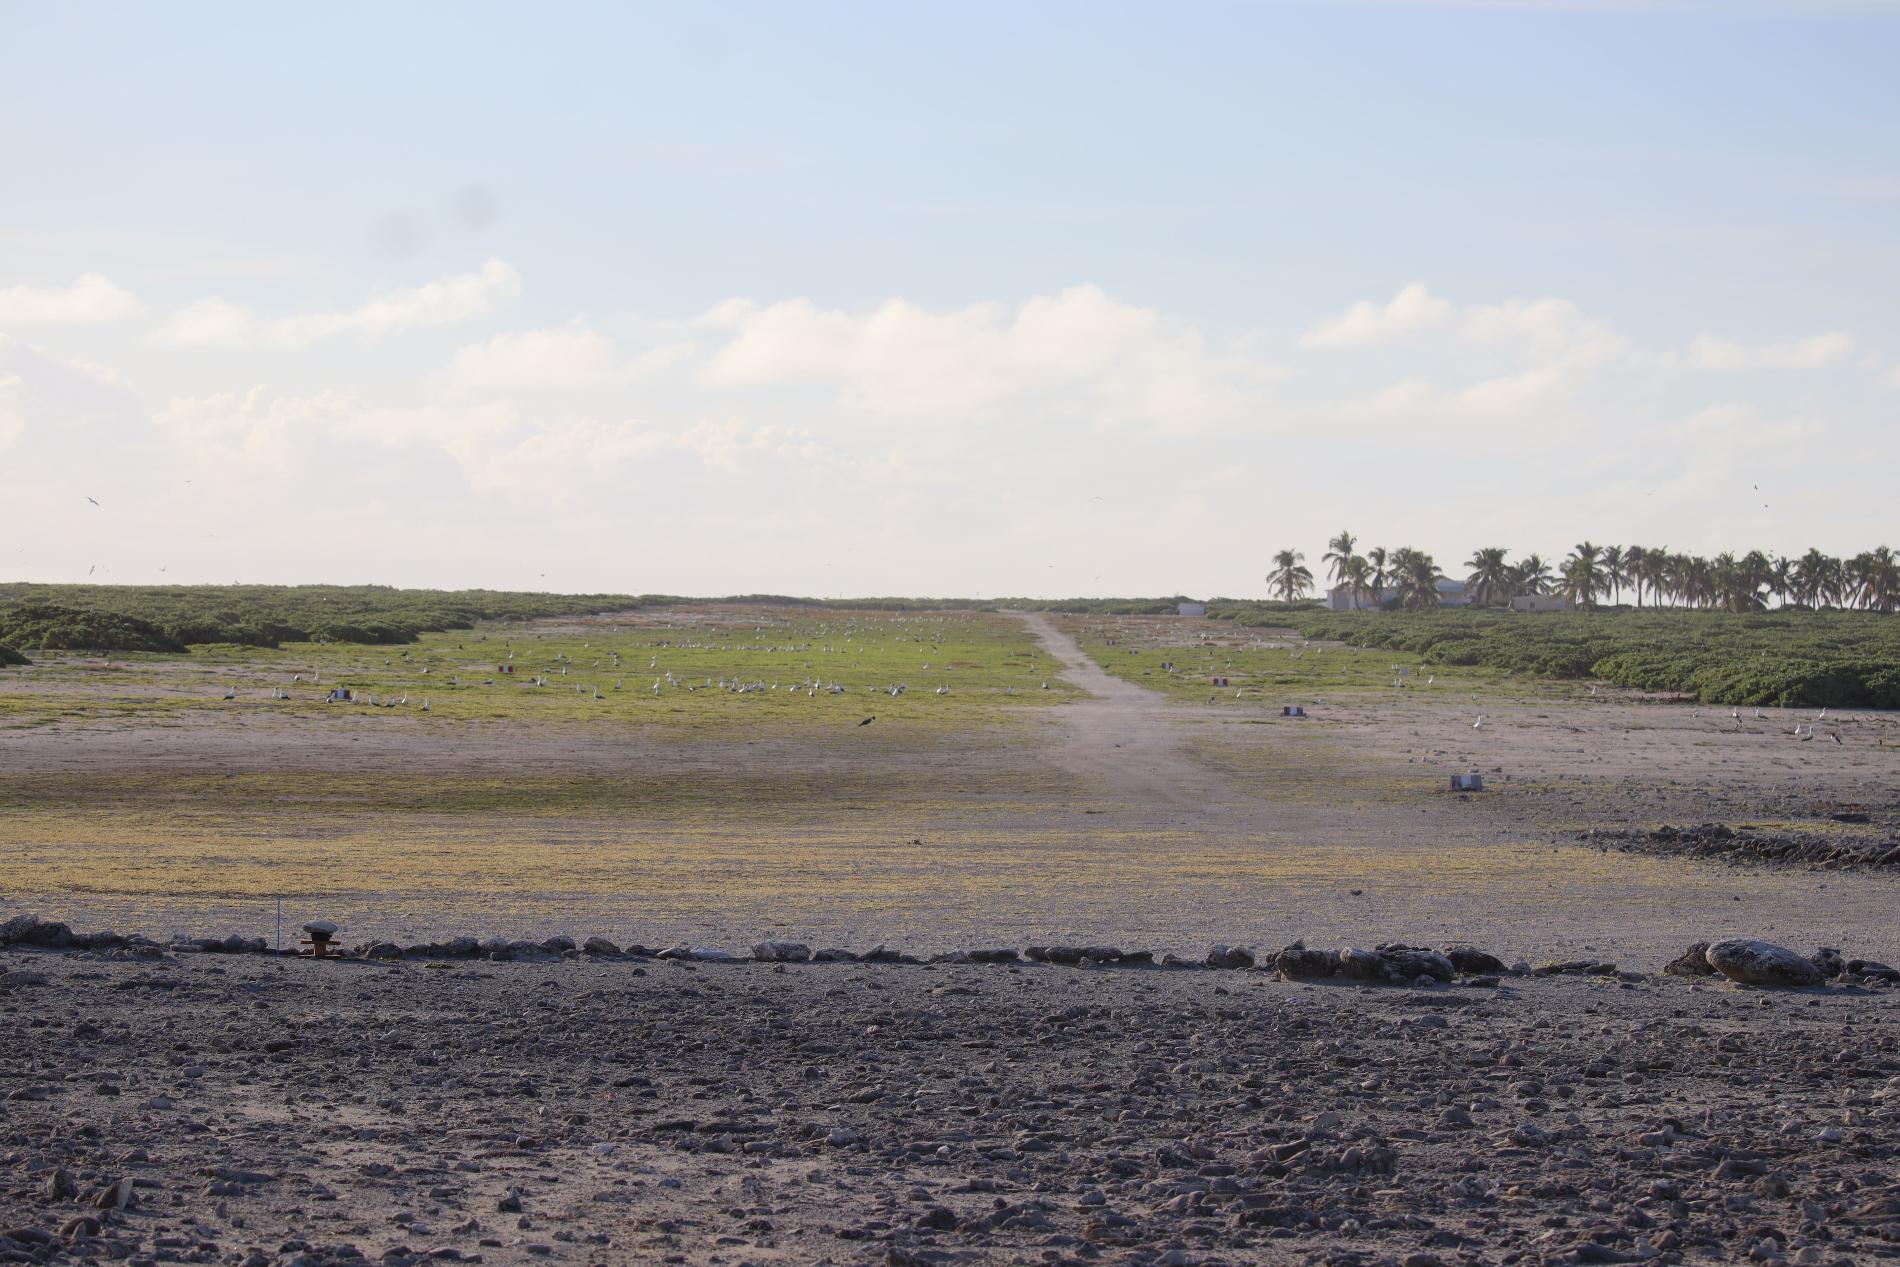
x=1289 y=578
x=1781 y=580
x=1530 y=575
x=1635 y=559
x=1879 y=577
x=1338 y=553
x=1378 y=558
x=1490 y=578
x=1813 y=576
x=1358 y=577
x=1615 y=571
x=1657 y=562
x=1583 y=575
x=1416 y=577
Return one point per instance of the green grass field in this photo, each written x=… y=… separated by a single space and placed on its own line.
x=651 y=668
x=1261 y=667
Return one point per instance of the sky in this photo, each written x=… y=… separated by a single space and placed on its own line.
x=961 y=299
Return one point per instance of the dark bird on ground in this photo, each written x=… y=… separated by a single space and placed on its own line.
x=867 y=721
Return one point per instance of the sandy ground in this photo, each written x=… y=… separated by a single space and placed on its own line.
x=1122 y=817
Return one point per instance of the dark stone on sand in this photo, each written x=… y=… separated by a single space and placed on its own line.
x=996 y=954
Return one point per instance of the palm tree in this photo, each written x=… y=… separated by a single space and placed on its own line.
x=1615 y=571
x=1378 y=558
x=1656 y=571
x=1417 y=578
x=1289 y=577
x=1490 y=578
x=1694 y=580
x=1781 y=580
x=1879 y=576
x=1635 y=559
x=1735 y=585
x=1583 y=575
x=1811 y=575
x=1358 y=577
x=1531 y=575
x=1338 y=553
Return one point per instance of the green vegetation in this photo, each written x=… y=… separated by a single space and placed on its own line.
x=1844 y=659
x=167 y=618
x=50 y=627
x=1184 y=659
x=694 y=668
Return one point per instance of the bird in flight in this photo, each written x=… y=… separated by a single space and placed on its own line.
x=93 y=502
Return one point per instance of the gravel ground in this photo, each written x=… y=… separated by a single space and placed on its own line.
x=239 y=1109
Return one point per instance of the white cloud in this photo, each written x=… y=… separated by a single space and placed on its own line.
x=1553 y=328
x=1079 y=353
x=1520 y=359
x=573 y=356
x=1367 y=324
x=91 y=299
x=219 y=323
x=209 y=323
x=1711 y=352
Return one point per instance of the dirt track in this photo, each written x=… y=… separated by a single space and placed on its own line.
x=1122 y=737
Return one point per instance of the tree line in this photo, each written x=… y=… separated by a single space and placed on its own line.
x=1868 y=581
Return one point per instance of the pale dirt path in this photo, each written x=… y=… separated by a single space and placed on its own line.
x=1124 y=736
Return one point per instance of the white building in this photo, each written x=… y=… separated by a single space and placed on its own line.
x=1540 y=603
